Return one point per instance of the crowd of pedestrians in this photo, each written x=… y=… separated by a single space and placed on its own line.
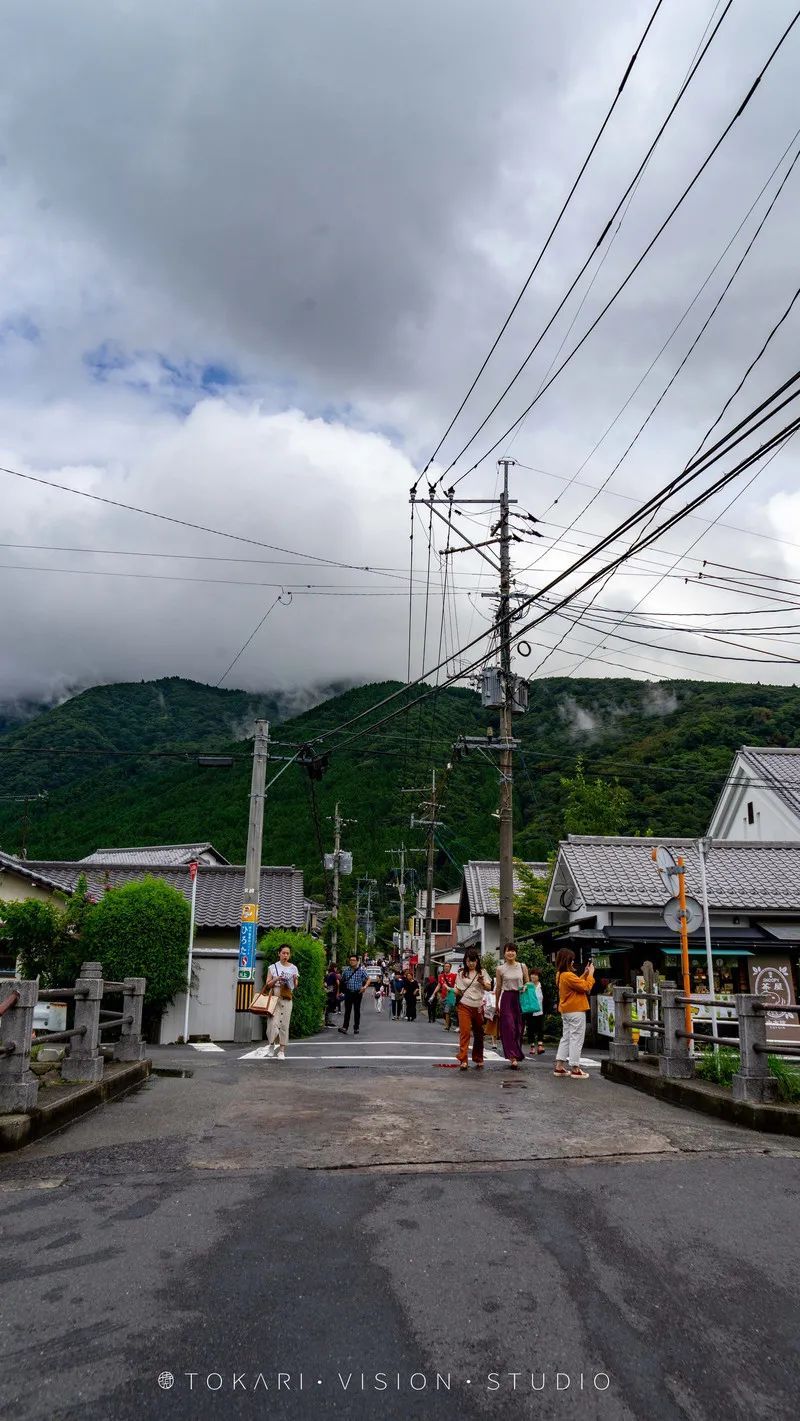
x=509 y=1010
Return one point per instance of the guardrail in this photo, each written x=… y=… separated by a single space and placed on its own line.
x=83 y=1058
x=753 y=1080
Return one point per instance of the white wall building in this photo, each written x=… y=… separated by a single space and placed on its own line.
x=760 y=800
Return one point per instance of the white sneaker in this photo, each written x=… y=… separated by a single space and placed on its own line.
x=281 y=1054
x=272 y=1050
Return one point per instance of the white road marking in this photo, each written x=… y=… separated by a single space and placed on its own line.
x=260 y=1054
x=205 y=1046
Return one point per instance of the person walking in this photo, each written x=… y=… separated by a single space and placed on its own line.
x=411 y=992
x=354 y=984
x=398 y=988
x=432 y=997
x=471 y=983
x=534 y=1020
x=378 y=992
x=573 y=1004
x=447 y=979
x=512 y=976
x=282 y=977
x=332 y=993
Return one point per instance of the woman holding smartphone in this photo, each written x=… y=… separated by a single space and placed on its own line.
x=573 y=1004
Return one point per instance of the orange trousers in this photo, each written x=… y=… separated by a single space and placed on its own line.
x=470 y=1023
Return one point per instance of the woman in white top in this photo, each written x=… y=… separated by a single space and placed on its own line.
x=470 y=985
x=283 y=977
x=512 y=976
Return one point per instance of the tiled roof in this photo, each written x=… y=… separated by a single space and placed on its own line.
x=220 y=887
x=162 y=855
x=482 y=883
x=778 y=769
x=749 y=877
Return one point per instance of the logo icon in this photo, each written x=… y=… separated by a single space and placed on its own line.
x=165 y=1380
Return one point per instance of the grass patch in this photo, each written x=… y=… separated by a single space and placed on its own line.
x=719 y=1067
x=788 y=1078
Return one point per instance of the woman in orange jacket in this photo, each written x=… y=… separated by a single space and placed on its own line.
x=573 y=1004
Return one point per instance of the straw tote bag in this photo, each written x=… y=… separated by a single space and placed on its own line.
x=264 y=1003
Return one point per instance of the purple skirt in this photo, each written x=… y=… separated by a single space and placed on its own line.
x=511 y=1026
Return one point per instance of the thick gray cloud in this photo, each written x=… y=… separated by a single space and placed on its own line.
x=252 y=255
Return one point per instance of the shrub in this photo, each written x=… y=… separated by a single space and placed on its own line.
x=141 y=930
x=41 y=935
x=308 y=956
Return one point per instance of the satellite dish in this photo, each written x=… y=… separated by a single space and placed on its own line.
x=694 y=915
x=667 y=866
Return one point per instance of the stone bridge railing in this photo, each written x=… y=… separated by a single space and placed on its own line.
x=674 y=1041
x=83 y=1058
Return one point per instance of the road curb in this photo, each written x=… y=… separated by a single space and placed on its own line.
x=19 y=1130
x=707 y=1098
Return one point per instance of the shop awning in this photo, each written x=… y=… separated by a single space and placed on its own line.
x=695 y=950
x=782 y=932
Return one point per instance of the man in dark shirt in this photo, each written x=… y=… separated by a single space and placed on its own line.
x=354 y=985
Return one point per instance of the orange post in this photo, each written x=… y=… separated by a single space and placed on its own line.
x=687 y=1011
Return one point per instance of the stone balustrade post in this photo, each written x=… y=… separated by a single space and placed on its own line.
x=623 y=1047
x=130 y=1046
x=753 y=1081
x=83 y=1061
x=19 y=1088
x=676 y=1061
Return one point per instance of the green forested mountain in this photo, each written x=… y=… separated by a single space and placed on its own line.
x=670 y=743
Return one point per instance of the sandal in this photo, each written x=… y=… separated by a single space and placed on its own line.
x=579 y=1074
x=463 y=1066
x=558 y=1072
x=540 y=1050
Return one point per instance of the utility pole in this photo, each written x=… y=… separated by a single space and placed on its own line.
x=25 y=823
x=336 y=856
x=337 y=843
x=401 y=888
x=430 y=824
x=506 y=732
x=243 y=1027
x=370 y=883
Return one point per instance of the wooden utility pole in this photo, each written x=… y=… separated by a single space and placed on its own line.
x=243 y=1026
x=506 y=733
x=337 y=844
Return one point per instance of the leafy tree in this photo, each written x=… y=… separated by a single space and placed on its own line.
x=141 y=930
x=39 y=934
x=308 y=956
x=594 y=806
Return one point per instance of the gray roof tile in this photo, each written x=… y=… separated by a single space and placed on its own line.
x=219 y=887
x=778 y=768
x=749 y=877
x=482 y=882
x=158 y=854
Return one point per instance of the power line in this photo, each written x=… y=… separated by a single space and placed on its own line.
x=642 y=257
x=549 y=238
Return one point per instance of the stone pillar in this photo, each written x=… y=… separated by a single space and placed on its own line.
x=18 y=1086
x=83 y=1061
x=130 y=1046
x=676 y=1061
x=753 y=1081
x=623 y=1047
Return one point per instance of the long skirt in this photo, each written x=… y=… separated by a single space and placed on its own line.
x=278 y=1024
x=511 y=1026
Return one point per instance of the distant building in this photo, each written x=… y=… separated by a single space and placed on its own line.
x=479 y=902
x=220 y=891
x=444 y=934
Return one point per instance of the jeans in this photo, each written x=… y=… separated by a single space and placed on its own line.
x=352 y=1003
x=573 y=1030
x=470 y=1023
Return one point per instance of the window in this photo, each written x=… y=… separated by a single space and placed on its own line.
x=751 y=818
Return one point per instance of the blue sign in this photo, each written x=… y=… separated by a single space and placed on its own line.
x=247 y=952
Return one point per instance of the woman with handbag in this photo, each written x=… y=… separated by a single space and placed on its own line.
x=534 y=1020
x=282 y=979
x=471 y=983
x=512 y=976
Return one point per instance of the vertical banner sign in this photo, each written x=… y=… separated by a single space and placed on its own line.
x=771 y=979
x=247 y=942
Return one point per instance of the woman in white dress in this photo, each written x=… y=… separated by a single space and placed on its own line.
x=282 y=977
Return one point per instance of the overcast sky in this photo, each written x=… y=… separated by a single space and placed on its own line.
x=251 y=256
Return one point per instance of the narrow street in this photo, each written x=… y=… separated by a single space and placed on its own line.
x=361 y=1209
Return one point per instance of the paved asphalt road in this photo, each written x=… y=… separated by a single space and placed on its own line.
x=324 y=1218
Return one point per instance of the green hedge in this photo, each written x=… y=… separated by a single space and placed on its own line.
x=308 y=956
